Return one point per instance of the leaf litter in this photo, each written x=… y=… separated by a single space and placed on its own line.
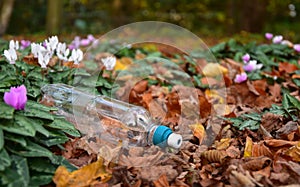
x=257 y=138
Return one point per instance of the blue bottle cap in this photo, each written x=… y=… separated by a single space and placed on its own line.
x=164 y=136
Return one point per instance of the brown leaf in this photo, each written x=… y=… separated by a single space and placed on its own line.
x=29 y=59
x=280 y=143
x=271 y=122
x=224 y=143
x=152 y=173
x=198 y=131
x=238 y=179
x=212 y=156
x=287 y=67
x=257 y=163
x=294 y=152
x=285 y=131
x=162 y=181
x=259 y=149
x=260 y=86
x=90 y=175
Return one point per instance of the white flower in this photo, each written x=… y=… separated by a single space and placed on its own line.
x=109 y=62
x=252 y=66
x=76 y=56
x=44 y=58
x=11 y=55
x=13 y=44
x=51 y=43
x=277 y=39
x=62 y=52
x=36 y=49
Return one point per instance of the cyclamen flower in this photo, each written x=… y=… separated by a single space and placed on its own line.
x=62 y=52
x=91 y=38
x=13 y=44
x=76 y=56
x=297 y=47
x=44 y=59
x=11 y=55
x=109 y=62
x=85 y=42
x=16 y=97
x=75 y=44
x=269 y=36
x=246 y=57
x=36 y=49
x=51 y=44
x=240 y=77
x=277 y=39
x=25 y=44
x=252 y=66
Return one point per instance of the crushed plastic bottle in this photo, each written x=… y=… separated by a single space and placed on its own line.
x=137 y=129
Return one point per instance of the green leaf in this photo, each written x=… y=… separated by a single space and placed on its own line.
x=17 y=174
x=1 y=139
x=36 y=112
x=248 y=124
x=40 y=179
x=64 y=125
x=33 y=104
x=54 y=138
x=295 y=102
x=41 y=165
x=31 y=150
x=5 y=160
x=6 y=111
x=17 y=139
x=218 y=48
x=20 y=125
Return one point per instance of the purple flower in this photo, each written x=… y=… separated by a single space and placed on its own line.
x=269 y=36
x=75 y=44
x=277 y=39
x=91 y=37
x=85 y=42
x=252 y=66
x=246 y=57
x=297 y=47
x=16 y=97
x=240 y=77
x=25 y=44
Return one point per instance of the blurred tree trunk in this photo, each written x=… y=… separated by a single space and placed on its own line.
x=246 y=15
x=6 y=7
x=54 y=16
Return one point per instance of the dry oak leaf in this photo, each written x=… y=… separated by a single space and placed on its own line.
x=89 y=175
x=287 y=67
x=294 y=152
x=238 y=179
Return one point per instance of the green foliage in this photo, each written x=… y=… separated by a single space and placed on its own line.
x=26 y=136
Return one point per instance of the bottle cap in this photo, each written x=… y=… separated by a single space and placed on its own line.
x=174 y=140
x=163 y=136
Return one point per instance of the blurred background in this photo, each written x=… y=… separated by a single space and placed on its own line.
x=213 y=19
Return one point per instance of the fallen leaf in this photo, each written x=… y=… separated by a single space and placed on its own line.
x=89 y=175
x=198 y=131
x=162 y=181
x=238 y=179
x=214 y=156
x=248 y=147
x=123 y=63
x=287 y=67
x=257 y=163
x=214 y=69
x=260 y=149
x=224 y=143
x=294 y=152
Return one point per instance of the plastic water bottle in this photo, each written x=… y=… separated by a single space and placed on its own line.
x=137 y=129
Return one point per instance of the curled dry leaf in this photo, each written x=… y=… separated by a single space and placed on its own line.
x=89 y=175
x=257 y=163
x=198 y=131
x=294 y=152
x=260 y=149
x=214 y=156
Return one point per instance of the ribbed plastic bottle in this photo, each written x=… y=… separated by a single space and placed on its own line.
x=138 y=128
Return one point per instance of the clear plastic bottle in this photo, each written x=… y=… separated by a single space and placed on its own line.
x=137 y=129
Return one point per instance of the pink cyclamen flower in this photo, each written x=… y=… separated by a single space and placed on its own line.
x=246 y=57
x=297 y=47
x=25 y=44
x=91 y=37
x=269 y=36
x=240 y=77
x=252 y=66
x=85 y=42
x=277 y=39
x=16 y=97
